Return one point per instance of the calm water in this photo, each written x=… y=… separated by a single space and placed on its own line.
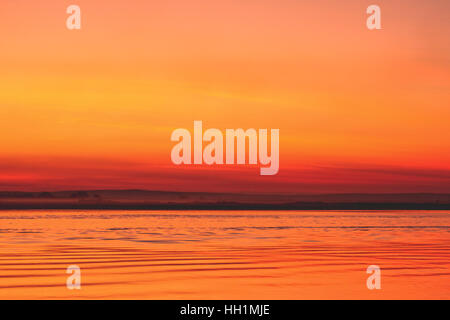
x=224 y=254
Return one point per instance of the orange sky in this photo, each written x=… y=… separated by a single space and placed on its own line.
x=358 y=110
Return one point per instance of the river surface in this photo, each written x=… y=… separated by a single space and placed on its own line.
x=224 y=254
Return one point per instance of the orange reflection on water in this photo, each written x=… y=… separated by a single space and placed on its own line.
x=224 y=254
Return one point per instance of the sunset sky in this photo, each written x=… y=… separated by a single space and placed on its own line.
x=358 y=110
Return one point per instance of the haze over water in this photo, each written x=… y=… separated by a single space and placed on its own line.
x=224 y=254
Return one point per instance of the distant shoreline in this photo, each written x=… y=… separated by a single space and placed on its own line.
x=228 y=206
x=167 y=200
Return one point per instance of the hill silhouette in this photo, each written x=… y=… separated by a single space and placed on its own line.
x=169 y=200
